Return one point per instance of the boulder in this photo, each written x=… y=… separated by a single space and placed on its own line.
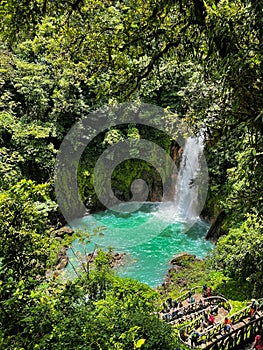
x=63 y=231
x=181 y=258
x=117 y=259
x=62 y=263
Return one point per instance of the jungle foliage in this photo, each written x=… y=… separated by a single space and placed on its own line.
x=60 y=60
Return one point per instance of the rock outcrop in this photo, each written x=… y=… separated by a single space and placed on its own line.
x=216 y=230
x=116 y=260
x=62 y=232
x=62 y=259
x=181 y=258
x=178 y=263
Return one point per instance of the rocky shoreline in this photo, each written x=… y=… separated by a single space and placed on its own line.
x=117 y=259
x=178 y=262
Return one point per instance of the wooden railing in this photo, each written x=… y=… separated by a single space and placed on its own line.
x=196 y=310
x=218 y=330
x=238 y=337
x=212 y=302
x=184 y=296
x=214 y=337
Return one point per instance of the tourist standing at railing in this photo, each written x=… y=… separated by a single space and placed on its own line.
x=164 y=307
x=204 y=323
x=192 y=300
x=211 y=319
x=169 y=302
x=204 y=291
x=227 y=325
x=206 y=316
x=174 y=314
x=258 y=344
x=253 y=308
x=190 y=293
x=194 y=338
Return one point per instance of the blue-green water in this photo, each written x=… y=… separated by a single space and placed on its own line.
x=150 y=236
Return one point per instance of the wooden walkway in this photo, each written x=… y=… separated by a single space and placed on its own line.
x=191 y=317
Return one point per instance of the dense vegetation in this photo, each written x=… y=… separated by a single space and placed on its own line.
x=60 y=60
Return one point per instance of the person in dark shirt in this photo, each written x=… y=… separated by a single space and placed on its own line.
x=194 y=338
x=204 y=292
x=169 y=302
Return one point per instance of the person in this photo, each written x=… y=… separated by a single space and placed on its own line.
x=192 y=300
x=174 y=314
x=166 y=316
x=204 y=291
x=253 y=308
x=200 y=305
x=180 y=313
x=206 y=316
x=258 y=344
x=203 y=323
x=209 y=291
x=180 y=304
x=211 y=319
x=184 y=336
x=169 y=302
x=190 y=293
x=194 y=338
x=227 y=325
x=214 y=310
x=164 y=308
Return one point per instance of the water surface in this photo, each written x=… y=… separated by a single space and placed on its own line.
x=150 y=236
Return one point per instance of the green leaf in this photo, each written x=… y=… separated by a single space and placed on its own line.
x=139 y=343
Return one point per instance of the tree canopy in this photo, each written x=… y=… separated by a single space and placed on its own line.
x=60 y=60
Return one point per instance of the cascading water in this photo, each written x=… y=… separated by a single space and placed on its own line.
x=189 y=179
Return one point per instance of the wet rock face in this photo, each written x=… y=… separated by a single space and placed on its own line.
x=216 y=230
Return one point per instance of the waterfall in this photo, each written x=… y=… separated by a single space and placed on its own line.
x=189 y=179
